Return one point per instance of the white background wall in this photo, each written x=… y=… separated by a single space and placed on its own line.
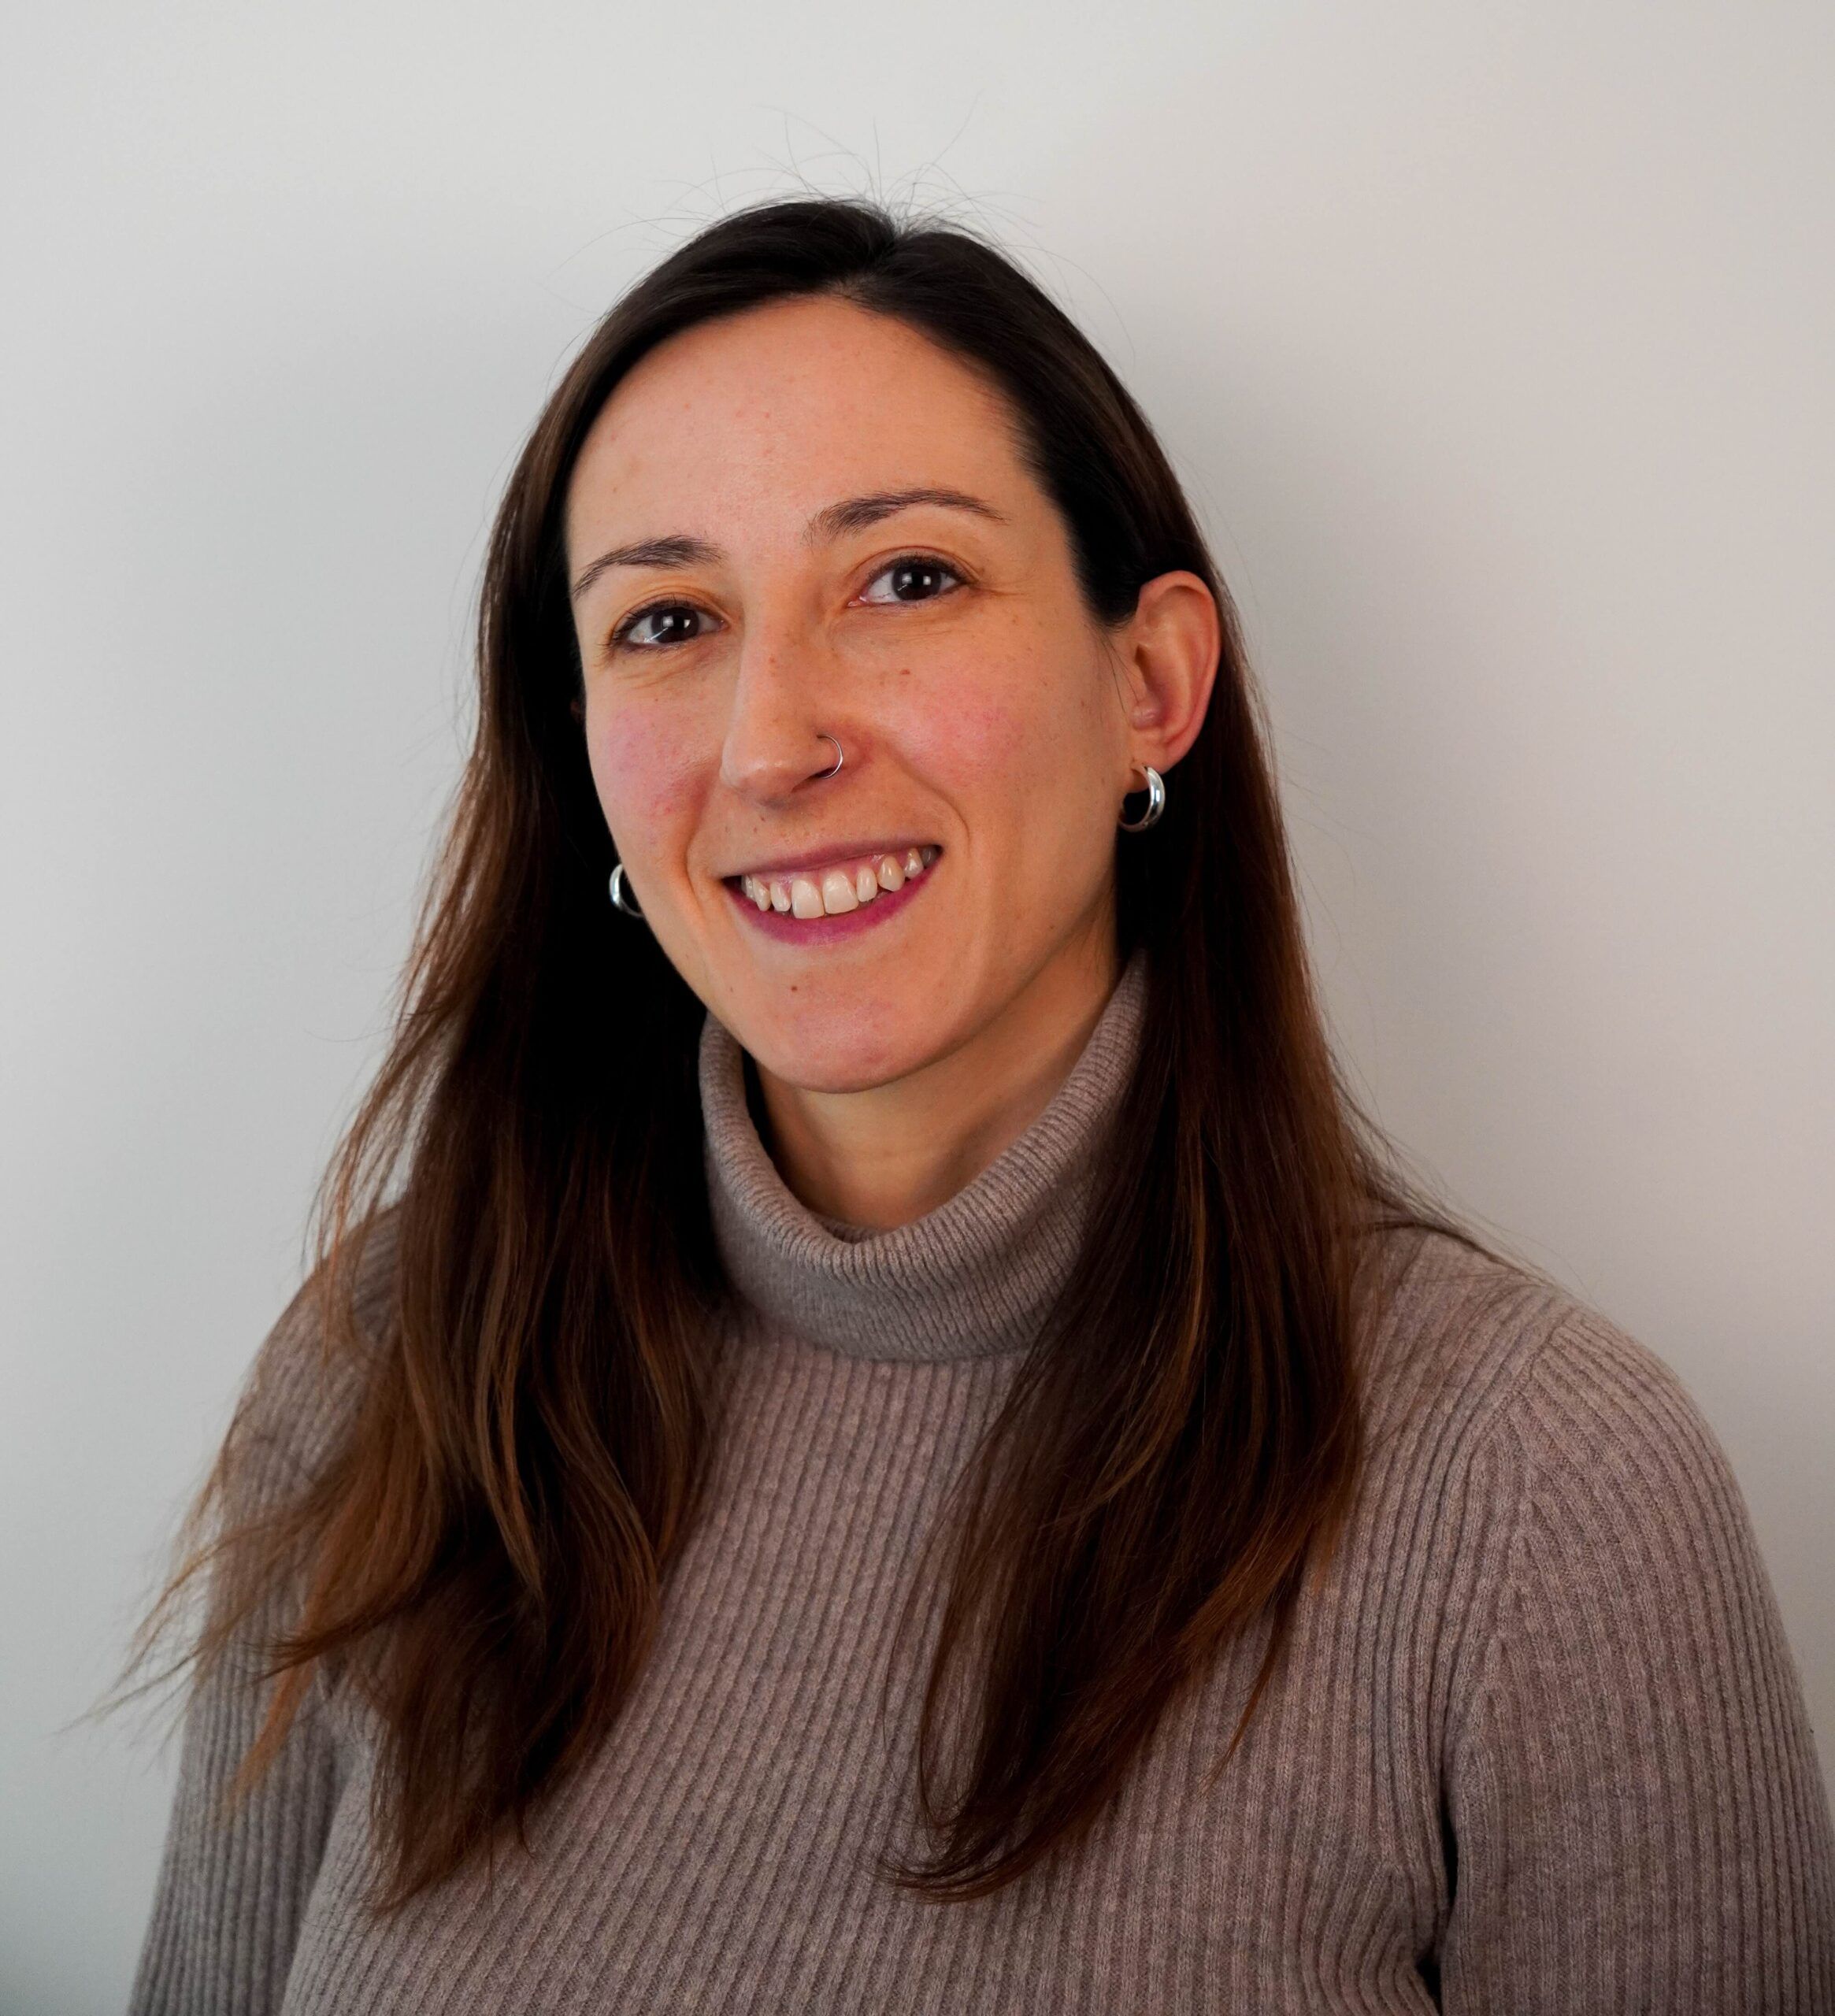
x=1494 y=340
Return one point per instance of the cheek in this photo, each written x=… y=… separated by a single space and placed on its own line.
x=973 y=739
x=641 y=760
x=1015 y=723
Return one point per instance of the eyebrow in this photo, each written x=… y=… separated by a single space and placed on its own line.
x=851 y=514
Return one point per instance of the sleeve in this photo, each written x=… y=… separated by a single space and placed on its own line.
x=234 y=1881
x=1637 y=1819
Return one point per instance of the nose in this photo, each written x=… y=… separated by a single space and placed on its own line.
x=778 y=727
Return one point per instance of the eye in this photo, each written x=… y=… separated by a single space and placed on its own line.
x=914 y=577
x=669 y=623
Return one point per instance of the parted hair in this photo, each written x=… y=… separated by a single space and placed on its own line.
x=481 y=1548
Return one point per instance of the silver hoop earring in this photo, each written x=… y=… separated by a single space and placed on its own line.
x=1156 y=802
x=839 y=759
x=619 y=893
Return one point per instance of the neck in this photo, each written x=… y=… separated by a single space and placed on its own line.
x=889 y=1153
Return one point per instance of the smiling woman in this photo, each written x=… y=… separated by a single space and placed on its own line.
x=764 y=564
x=832 y=1136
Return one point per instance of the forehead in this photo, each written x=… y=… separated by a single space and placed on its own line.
x=781 y=409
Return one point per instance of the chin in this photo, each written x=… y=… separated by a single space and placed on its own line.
x=816 y=1067
x=846 y=1045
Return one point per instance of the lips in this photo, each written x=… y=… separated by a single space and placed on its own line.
x=835 y=901
x=838 y=885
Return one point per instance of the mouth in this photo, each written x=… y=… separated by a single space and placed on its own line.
x=839 y=898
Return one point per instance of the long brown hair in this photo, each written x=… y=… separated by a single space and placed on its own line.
x=513 y=1272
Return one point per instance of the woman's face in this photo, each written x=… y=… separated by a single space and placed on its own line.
x=780 y=581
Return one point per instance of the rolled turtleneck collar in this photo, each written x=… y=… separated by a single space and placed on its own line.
x=971 y=1278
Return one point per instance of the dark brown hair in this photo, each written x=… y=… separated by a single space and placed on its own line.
x=480 y=1547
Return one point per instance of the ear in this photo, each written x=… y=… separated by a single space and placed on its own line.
x=1169 y=650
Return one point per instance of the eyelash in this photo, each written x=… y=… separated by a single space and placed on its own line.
x=621 y=635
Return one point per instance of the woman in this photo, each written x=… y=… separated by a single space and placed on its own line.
x=899 y=1443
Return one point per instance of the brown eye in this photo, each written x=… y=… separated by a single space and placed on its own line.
x=914 y=577
x=660 y=625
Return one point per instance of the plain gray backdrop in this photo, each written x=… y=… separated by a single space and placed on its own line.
x=1493 y=341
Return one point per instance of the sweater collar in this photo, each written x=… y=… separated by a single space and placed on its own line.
x=972 y=1278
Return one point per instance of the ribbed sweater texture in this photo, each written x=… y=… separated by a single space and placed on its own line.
x=1538 y=1745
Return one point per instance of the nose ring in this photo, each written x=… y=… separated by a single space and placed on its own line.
x=839 y=759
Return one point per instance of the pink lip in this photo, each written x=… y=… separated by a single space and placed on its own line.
x=824 y=930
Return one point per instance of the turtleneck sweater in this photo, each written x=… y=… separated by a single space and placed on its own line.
x=1538 y=1744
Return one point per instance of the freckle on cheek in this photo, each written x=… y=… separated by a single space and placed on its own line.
x=637 y=771
x=986 y=739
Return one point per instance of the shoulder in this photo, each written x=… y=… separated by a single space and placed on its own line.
x=1542 y=1445
x=1629 y=1526
x=1613 y=1711
x=307 y=1377
x=1595 y=1411
x=1567 y=1520
x=1492 y=1354
x=1577 y=1495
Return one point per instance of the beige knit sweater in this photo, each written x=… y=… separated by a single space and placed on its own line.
x=1539 y=1745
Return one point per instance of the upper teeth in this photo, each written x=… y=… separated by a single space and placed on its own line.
x=845 y=886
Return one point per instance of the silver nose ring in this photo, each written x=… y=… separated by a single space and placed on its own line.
x=839 y=759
